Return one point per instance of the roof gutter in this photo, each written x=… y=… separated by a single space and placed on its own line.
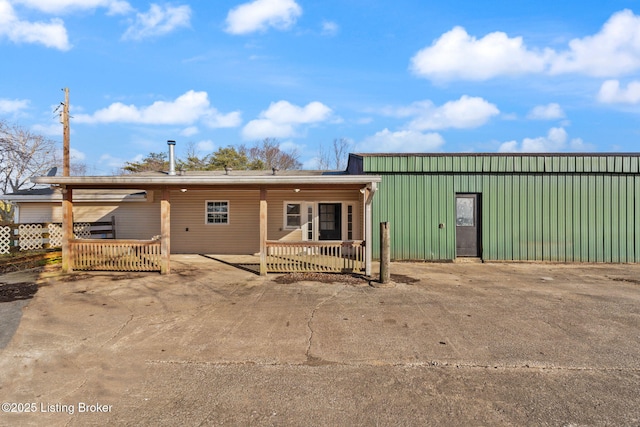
x=235 y=180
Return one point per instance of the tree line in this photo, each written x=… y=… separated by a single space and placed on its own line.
x=264 y=155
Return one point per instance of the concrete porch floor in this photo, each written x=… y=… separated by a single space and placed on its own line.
x=249 y=263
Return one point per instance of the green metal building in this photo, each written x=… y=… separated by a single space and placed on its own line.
x=519 y=207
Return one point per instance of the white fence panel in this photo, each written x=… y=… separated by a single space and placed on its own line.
x=30 y=237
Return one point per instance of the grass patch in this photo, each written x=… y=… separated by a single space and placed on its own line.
x=18 y=261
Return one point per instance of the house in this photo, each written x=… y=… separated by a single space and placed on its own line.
x=491 y=207
x=507 y=207
x=294 y=220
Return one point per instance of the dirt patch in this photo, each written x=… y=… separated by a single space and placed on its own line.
x=74 y=277
x=17 y=291
x=126 y=276
x=401 y=278
x=624 y=279
x=352 y=279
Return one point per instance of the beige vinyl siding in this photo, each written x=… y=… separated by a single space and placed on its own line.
x=39 y=212
x=141 y=220
x=134 y=220
x=240 y=236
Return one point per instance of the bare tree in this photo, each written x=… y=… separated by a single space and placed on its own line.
x=341 y=147
x=23 y=154
x=78 y=169
x=153 y=162
x=192 y=161
x=267 y=155
x=336 y=157
x=323 y=158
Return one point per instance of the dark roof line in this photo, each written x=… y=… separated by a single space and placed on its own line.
x=612 y=154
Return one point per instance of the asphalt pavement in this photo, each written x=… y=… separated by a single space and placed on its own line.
x=447 y=344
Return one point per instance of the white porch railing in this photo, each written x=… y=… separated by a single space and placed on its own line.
x=328 y=256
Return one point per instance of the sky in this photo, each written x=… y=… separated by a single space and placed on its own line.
x=403 y=76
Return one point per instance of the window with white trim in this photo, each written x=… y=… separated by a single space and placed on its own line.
x=310 y=222
x=349 y=222
x=217 y=212
x=293 y=215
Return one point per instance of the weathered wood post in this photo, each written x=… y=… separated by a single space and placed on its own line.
x=385 y=252
x=67 y=229
x=165 y=232
x=263 y=231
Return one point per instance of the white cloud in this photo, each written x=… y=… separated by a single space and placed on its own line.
x=53 y=129
x=205 y=146
x=613 y=51
x=405 y=141
x=64 y=6
x=262 y=128
x=457 y=55
x=285 y=112
x=464 y=113
x=216 y=120
x=189 y=131
x=467 y=112
x=556 y=140
x=76 y=155
x=8 y=106
x=51 y=34
x=329 y=28
x=185 y=110
x=159 y=20
x=282 y=119
x=258 y=15
x=550 y=111
x=611 y=93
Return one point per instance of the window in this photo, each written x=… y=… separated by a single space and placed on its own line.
x=349 y=222
x=293 y=215
x=217 y=212
x=464 y=211
x=309 y=222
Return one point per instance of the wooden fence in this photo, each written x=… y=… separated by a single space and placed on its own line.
x=337 y=257
x=33 y=236
x=115 y=255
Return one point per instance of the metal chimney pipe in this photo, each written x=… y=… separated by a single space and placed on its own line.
x=172 y=157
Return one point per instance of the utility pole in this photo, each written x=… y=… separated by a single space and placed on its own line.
x=65 y=133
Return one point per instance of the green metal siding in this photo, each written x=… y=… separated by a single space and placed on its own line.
x=539 y=208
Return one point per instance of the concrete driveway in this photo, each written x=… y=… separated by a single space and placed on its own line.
x=450 y=344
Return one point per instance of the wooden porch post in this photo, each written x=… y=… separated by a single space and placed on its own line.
x=368 y=224
x=165 y=232
x=67 y=229
x=263 y=231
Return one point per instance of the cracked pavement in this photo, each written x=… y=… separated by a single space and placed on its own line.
x=466 y=344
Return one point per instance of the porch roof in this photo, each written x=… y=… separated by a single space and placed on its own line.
x=39 y=195
x=213 y=178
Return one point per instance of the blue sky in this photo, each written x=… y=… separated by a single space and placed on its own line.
x=406 y=76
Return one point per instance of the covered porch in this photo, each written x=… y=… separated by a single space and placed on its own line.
x=291 y=221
